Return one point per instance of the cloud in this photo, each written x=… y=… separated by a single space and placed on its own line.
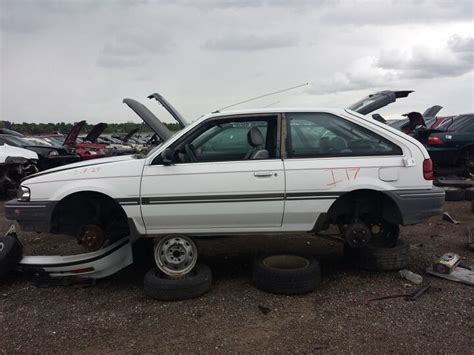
x=26 y=16
x=388 y=13
x=455 y=59
x=134 y=48
x=249 y=42
x=362 y=73
x=227 y=4
x=424 y=62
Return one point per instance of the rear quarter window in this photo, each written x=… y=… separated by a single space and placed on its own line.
x=328 y=135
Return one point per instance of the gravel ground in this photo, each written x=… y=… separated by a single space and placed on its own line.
x=116 y=316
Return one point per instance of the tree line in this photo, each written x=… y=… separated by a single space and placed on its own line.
x=41 y=128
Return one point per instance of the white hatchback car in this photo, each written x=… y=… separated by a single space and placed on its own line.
x=243 y=172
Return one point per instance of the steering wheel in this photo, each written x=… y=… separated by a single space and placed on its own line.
x=189 y=149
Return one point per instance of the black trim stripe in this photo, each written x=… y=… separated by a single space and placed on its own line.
x=128 y=201
x=300 y=196
x=166 y=200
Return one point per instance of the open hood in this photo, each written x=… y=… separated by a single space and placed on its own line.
x=149 y=118
x=96 y=132
x=73 y=133
x=173 y=112
x=378 y=100
x=432 y=111
x=129 y=135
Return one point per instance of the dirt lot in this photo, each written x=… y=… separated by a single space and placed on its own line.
x=115 y=315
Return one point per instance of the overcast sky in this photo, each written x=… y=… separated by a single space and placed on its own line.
x=74 y=60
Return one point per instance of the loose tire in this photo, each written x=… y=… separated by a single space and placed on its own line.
x=469 y=194
x=159 y=286
x=454 y=194
x=378 y=258
x=11 y=252
x=286 y=274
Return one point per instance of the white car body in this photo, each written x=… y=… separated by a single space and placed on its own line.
x=9 y=151
x=278 y=195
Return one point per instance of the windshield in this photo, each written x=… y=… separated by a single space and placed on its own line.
x=56 y=140
x=17 y=141
x=38 y=141
x=152 y=151
x=458 y=122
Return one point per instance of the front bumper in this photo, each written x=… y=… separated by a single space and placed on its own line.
x=31 y=215
x=417 y=205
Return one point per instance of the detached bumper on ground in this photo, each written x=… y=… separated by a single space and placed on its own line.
x=32 y=216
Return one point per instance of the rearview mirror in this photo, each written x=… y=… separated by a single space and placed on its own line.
x=167 y=156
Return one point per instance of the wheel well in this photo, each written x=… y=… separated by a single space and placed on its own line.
x=89 y=207
x=370 y=202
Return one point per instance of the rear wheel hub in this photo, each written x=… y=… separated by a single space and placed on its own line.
x=357 y=234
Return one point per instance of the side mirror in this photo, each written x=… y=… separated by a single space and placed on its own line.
x=167 y=156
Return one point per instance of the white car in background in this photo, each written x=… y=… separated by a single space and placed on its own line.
x=243 y=172
x=15 y=164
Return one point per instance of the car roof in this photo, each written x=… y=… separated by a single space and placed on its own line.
x=274 y=110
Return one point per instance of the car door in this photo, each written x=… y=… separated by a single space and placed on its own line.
x=213 y=184
x=328 y=155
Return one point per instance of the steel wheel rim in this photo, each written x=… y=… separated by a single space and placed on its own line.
x=176 y=255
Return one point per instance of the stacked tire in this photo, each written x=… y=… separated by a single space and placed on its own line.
x=469 y=194
x=11 y=252
x=454 y=194
x=161 y=287
x=378 y=258
x=458 y=193
x=286 y=274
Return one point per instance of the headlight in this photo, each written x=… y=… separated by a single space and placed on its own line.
x=23 y=194
x=53 y=154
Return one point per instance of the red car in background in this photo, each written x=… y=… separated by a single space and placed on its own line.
x=85 y=150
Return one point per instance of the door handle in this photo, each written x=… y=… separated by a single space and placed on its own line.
x=262 y=173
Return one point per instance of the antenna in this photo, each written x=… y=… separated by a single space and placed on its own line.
x=259 y=97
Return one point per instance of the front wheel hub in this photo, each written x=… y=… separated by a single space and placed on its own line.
x=176 y=255
x=357 y=235
x=91 y=237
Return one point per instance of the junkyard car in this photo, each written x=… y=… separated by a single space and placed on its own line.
x=451 y=144
x=15 y=164
x=243 y=172
x=49 y=156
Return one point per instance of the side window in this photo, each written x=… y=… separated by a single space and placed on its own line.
x=470 y=127
x=327 y=135
x=230 y=140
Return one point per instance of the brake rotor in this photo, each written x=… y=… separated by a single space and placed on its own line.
x=91 y=237
x=383 y=233
x=357 y=235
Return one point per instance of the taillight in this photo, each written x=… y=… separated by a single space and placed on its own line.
x=428 y=169
x=433 y=140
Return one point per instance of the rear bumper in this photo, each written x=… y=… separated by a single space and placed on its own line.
x=443 y=156
x=32 y=215
x=417 y=205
